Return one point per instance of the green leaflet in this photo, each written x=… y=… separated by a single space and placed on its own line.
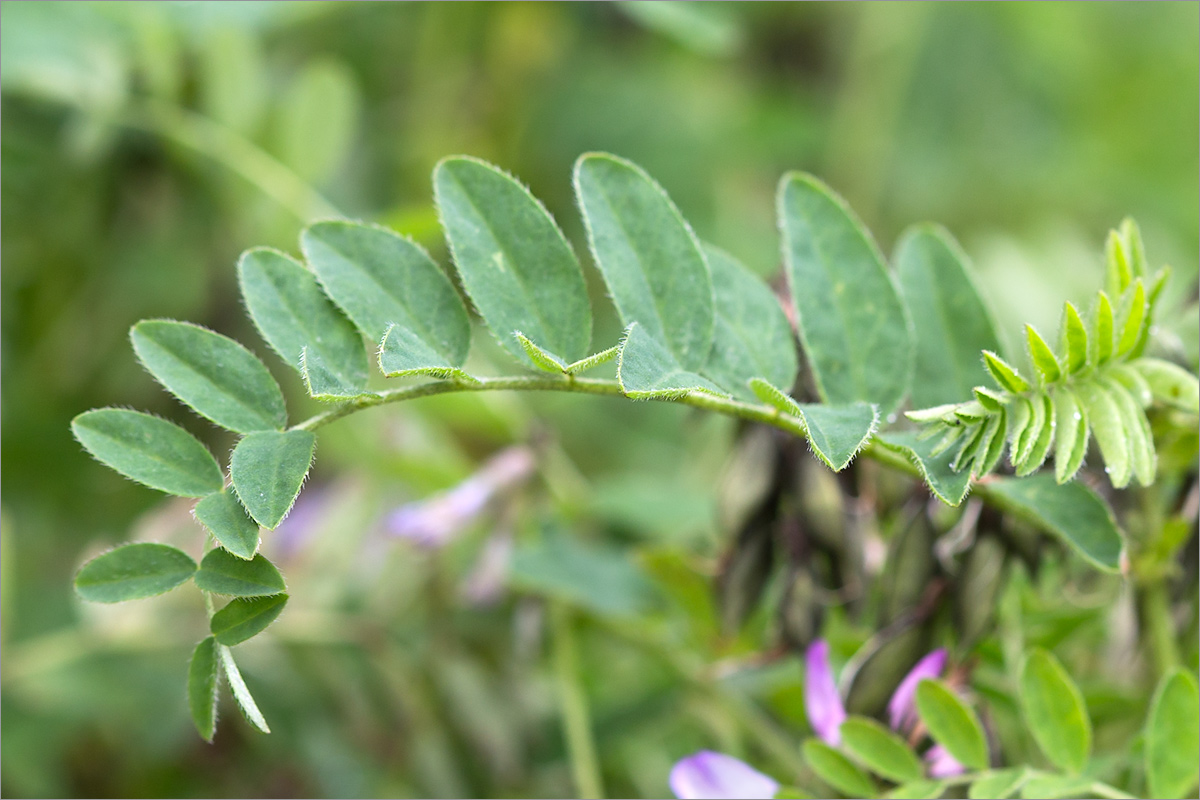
x=1133 y=314
x=514 y=261
x=202 y=688
x=403 y=353
x=149 y=450
x=646 y=369
x=991 y=446
x=1020 y=426
x=880 y=750
x=1043 y=358
x=948 y=485
x=133 y=571
x=1074 y=340
x=326 y=381
x=548 y=362
x=1071 y=433
x=651 y=261
x=924 y=789
x=1117 y=270
x=221 y=572
x=1038 y=445
x=836 y=770
x=1173 y=736
x=214 y=375
x=1005 y=374
x=837 y=433
x=241 y=694
x=1142 y=458
x=380 y=278
x=1128 y=376
x=855 y=329
x=1055 y=711
x=267 y=470
x=223 y=516
x=318 y=115
x=1102 y=332
x=950 y=321
x=1108 y=428
x=1170 y=384
x=952 y=723
x=1071 y=511
x=751 y=337
x=297 y=319
x=997 y=784
x=245 y=617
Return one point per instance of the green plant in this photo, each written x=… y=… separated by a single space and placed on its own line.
x=700 y=330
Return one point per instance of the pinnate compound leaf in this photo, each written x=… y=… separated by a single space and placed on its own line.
x=855 y=328
x=837 y=433
x=1005 y=374
x=836 y=770
x=880 y=750
x=650 y=258
x=952 y=723
x=1043 y=358
x=202 y=688
x=245 y=617
x=217 y=377
x=1055 y=711
x=951 y=323
x=267 y=470
x=948 y=485
x=997 y=784
x=223 y=516
x=514 y=261
x=241 y=694
x=380 y=278
x=1172 y=732
x=403 y=353
x=1070 y=511
x=149 y=450
x=221 y=572
x=133 y=571
x=1170 y=384
x=646 y=369
x=1108 y=428
x=752 y=337
x=297 y=319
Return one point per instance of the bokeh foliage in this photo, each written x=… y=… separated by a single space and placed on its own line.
x=1027 y=131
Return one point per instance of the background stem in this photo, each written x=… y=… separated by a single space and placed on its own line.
x=577 y=724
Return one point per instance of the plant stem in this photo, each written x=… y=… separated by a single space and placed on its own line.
x=235 y=152
x=577 y=725
x=1160 y=629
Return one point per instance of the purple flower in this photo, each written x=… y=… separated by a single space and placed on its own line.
x=435 y=521
x=902 y=708
x=822 y=702
x=942 y=764
x=715 y=775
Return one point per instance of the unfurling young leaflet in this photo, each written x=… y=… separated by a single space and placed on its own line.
x=700 y=329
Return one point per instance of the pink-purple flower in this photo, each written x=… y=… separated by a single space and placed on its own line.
x=707 y=774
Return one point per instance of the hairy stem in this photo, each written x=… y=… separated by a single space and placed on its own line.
x=577 y=724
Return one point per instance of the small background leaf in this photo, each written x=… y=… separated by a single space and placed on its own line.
x=1071 y=511
x=952 y=723
x=1055 y=711
x=317 y=119
x=1173 y=737
x=149 y=450
x=836 y=770
x=214 y=375
x=267 y=470
x=133 y=571
x=951 y=322
x=880 y=750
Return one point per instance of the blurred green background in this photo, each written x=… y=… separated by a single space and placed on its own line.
x=145 y=145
